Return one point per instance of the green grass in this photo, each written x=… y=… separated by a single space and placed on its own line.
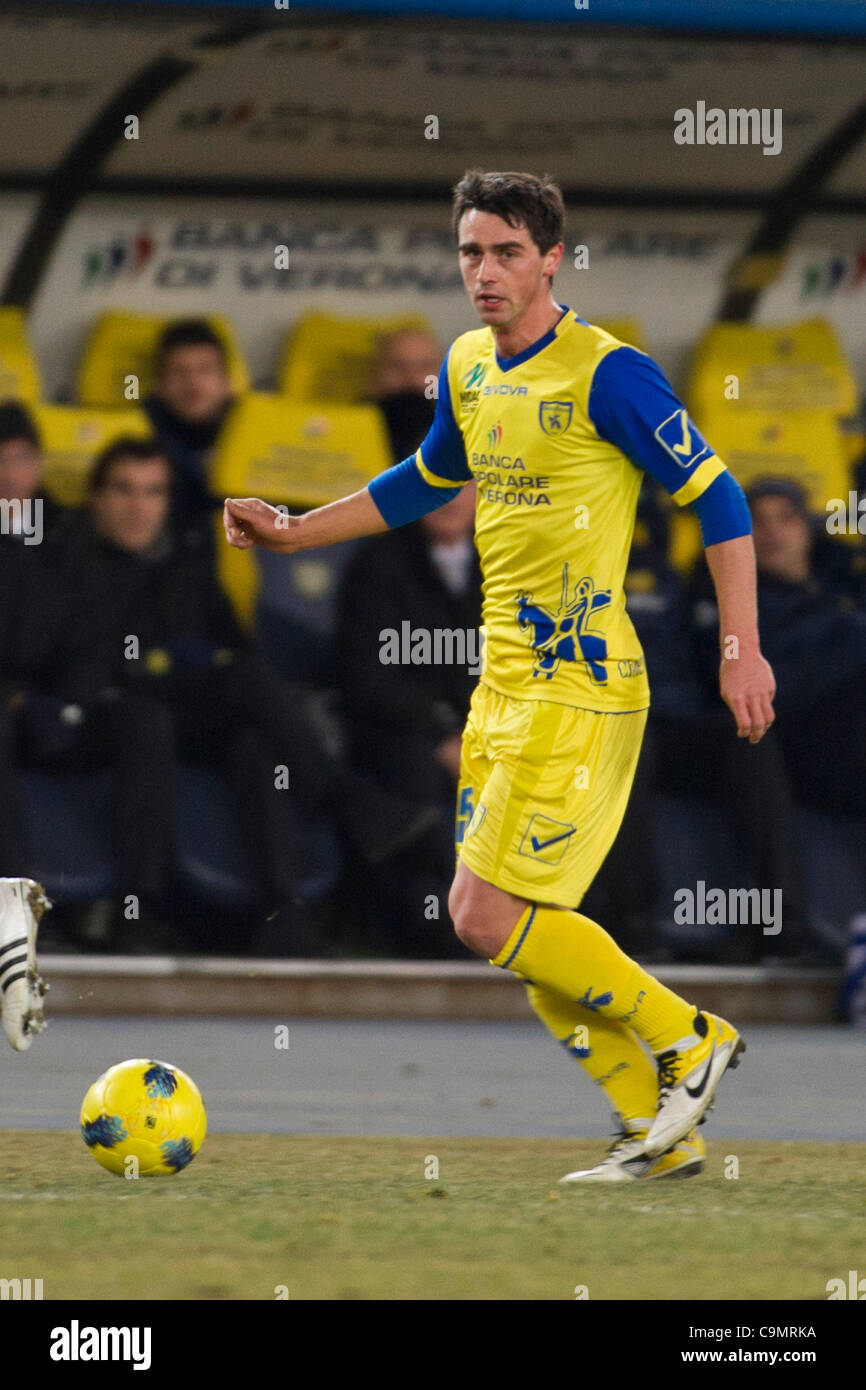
x=355 y=1218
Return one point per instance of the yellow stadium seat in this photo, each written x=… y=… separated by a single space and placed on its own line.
x=627 y=330
x=72 y=437
x=328 y=358
x=120 y=345
x=303 y=455
x=238 y=575
x=19 y=370
x=796 y=366
x=291 y=454
x=853 y=443
x=685 y=543
x=806 y=445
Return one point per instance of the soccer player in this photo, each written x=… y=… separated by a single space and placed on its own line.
x=556 y=420
x=22 y=903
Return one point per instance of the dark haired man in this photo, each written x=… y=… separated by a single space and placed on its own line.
x=555 y=420
x=192 y=397
x=813 y=621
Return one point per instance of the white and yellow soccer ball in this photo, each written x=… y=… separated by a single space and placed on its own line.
x=143 y=1118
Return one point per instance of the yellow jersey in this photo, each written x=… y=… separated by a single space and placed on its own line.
x=556 y=439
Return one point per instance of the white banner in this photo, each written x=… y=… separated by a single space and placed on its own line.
x=195 y=256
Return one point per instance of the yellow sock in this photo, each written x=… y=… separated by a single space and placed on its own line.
x=574 y=956
x=607 y=1050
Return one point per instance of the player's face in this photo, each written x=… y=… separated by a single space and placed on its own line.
x=131 y=508
x=503 y=270
x=195 y=383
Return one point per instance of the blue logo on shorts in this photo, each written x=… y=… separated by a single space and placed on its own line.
x=546 y=839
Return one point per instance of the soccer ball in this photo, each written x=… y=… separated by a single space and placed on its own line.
x=145 y=1111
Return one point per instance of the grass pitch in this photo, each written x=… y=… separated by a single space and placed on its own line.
x=356 y=1218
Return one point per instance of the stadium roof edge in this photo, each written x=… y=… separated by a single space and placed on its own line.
x=820 y=18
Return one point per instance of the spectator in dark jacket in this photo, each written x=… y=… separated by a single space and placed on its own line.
x=690 y=750
x=135 y=659
x=404 y=721
x=29 y=523
x=814 y=635
x=193 y=396
x=406 y=375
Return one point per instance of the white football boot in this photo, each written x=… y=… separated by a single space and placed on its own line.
x=22 y=903
x=627 y=1160
x=688 y=1077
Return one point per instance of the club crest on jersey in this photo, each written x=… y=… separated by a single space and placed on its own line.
x=555 y=416
x=566 y=635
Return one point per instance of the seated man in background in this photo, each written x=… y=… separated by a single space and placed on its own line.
x=687 y=752
x=404 y=721
x=139 y=662
x=813 y=621
x=406 y=373
x=192 y=398
x=31 y=521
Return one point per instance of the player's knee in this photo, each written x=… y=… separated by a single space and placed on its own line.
x=461 y=916
x=476 y=937
x=476 y=928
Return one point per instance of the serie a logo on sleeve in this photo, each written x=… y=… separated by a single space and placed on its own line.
x=682 y=440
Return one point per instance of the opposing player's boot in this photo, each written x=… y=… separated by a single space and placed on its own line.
x=22 y=903
x=627 y=1160
x=688 y=1078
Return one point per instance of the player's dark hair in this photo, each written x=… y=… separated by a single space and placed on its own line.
x=187 y=333
x=126 y=446
x=521 y=200
x=16 y=422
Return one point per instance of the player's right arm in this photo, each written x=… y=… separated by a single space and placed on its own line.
x=421 y=483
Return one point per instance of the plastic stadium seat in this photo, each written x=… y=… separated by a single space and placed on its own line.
x=121 y=344
x=291 y=454
x=833 y=866
x=209 y=855
x=685 y=543
x=72 y=436
x=802 y=444
x=328 y=358
x=296 y=609
x=790 y=366
x=19 y=371
x=67 y=817
x=688 y=832
x=627 y=330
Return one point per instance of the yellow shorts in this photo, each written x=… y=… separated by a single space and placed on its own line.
x=542 y=793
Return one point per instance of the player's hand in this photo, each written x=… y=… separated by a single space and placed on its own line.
x=748 y=686
x=249 y=521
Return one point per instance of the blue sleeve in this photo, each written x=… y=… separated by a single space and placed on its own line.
x=632 y=405
x=402 y=494
x=723 y=511
x=431 y=477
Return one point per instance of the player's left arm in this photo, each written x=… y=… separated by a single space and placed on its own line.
x=632 y=405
